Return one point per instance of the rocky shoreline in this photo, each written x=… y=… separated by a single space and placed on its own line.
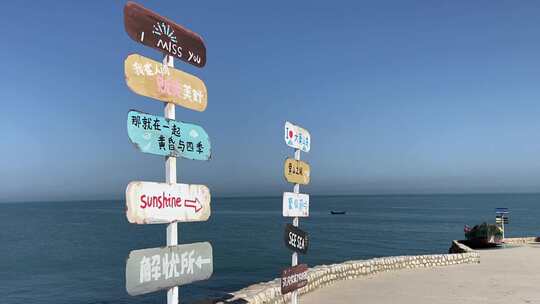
x=324 y=275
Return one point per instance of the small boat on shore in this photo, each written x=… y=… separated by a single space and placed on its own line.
x=337 y=212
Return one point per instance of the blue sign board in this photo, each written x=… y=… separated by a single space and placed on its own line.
x=160 y=136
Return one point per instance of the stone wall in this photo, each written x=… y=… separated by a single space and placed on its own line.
x=323 y=275
x=522 y=240
x=458 y=247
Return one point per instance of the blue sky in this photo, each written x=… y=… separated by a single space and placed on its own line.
x=399 y=97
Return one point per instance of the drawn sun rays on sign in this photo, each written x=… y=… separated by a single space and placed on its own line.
x=160 y=28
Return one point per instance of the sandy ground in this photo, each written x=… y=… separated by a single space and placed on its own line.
x=509 y=276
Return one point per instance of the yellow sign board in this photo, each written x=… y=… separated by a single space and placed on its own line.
x=152 y=79
x=296 y=171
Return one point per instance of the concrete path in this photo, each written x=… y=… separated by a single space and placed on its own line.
x=508 y=276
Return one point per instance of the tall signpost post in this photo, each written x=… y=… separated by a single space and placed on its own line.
x=149 y=270
x=501 y=218
x=295 y=205
x=170 y=178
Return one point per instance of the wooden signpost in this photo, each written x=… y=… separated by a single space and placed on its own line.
x=296 y=171
x=297 y=137
x=296 y=239
x=501 y=218
x=166 y=137
x=164 y=35
x=168 y=267
x=501 y=210
x=149 y=270
x=293 y=278
x=153 y=79
x=161 y=203
x=296 y=205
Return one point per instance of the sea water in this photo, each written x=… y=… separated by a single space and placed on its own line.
x=75 y=252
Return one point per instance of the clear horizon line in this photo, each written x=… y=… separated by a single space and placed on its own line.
x=277 y=196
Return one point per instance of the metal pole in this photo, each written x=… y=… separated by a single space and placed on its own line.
x=170 y=178
x=294 y=297
x=502 y=223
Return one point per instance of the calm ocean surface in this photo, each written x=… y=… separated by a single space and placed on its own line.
x=75 y=252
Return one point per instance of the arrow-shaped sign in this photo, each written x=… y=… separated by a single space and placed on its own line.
x=200 y=261
x=153 y=269
x=160 y=203
x=195 y=204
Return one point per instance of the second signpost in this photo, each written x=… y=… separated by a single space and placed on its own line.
x=295 y=205
x=154 y=269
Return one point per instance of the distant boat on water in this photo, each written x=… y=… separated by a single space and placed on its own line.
x=337 y=212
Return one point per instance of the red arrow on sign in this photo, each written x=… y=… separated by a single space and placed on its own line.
x=195 y=204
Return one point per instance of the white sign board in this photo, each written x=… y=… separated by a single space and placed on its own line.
x=297 y=137
x=295 y=204
x=153 y=269
x=160 y=203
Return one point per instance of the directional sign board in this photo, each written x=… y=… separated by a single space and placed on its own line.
x=296 y=171
x=293 y=278
x=162 y=34
x=297 y=137
x=152 y=79
x=296 y=239
x=295 y=204
x=501 y=210
x=160 y=203
x=160 y=136
x=149 y=270
x=500 y=219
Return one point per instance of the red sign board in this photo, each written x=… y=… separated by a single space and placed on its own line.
x=162 y=34
x=293 y=278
